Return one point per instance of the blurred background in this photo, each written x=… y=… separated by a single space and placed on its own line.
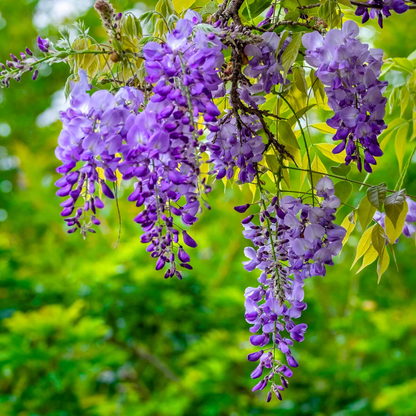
x=89 y=330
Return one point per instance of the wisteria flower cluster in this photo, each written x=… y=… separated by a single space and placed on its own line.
x=89 y=147
x=238 y=143
x=384 y=8
x=194 y=111
x=294 y=241
x=157 y=146
x=350 y=71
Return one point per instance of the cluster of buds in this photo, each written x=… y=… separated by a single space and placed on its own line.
x=109 y=17
x=27 y=63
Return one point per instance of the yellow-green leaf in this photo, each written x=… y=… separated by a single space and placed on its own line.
x=272 y=163
x=369 y=257
x=286 y=135
x=291 y=52
x=253 y=190
x=318 y=166
x=323 y=128
x=400 y=143
x=365 y=212
x=363 y=245
x=326 y=150
x=300 y=80
x=393 y=231
x=349 y=223
x=404 y=100
x=382 y=264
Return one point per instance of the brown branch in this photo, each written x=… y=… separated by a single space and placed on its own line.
x=309 y=6
x=225 y=13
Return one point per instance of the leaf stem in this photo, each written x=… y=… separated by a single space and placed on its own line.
x=341 y=177
x=304 y=140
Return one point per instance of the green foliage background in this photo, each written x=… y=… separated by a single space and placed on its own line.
x=89 y=330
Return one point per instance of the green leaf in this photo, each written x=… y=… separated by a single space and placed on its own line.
x=341 y=170
x=209 y=9
x=343 y=190
x=378 y=238
x=377 y=194
x=300 y=113
x=300 y=80
x=286 y=135
x=403 y=64
x=393 y=205
x=318 y=89
x=291 y=52
x=272 y=163
x=412 y=57
x=404 y=100
x=289 y=4
x=256 y=8
x=365 y=212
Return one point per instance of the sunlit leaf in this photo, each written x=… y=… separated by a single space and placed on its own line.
x=326 y=150
x=369 y=257
x=363 y=245
x=382 y=264
x=365 y=212
x=400 y=143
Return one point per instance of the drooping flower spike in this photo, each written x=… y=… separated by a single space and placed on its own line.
x=350 y=70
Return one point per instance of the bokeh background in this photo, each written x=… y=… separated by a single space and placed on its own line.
x=89 y=330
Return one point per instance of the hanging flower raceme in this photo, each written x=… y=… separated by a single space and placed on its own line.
x=265 y=64
x=294 y=241
x=164 y=143
x=385 y=7
x=89 y=147
x=238 y=144
x=350 y=71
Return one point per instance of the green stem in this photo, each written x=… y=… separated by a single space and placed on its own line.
x=340 y=177
x=304 y=140
x=63 y=54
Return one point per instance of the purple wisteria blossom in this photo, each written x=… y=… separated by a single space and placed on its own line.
x=294 y=241
x=89 y=147
x=159 y=147
x=238 y=145
x=399 y=6
x=350 y=71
